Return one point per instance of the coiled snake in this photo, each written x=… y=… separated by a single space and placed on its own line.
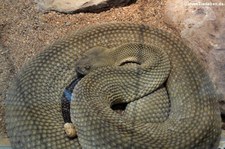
x=171 y=102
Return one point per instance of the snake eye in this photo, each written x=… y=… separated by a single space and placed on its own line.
x=82 y=70
x=87 y=67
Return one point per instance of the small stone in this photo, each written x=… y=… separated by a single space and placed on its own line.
x=67 y=23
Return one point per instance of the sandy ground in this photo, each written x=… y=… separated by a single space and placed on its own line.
x=24 y=31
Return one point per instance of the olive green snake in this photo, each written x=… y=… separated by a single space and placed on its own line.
x=171 y=101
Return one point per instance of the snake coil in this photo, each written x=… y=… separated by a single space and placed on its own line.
x=177 y=107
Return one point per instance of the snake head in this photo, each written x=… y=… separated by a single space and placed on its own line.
x=91 y=60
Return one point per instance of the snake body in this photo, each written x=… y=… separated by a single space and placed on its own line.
x=180 y=87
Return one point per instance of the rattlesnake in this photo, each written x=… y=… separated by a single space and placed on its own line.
x=185 y=100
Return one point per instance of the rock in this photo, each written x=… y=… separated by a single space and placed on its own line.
x=202 y=25
x=70 y=6
x=216 y=58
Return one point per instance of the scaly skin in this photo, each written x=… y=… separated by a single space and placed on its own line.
x=33 y=105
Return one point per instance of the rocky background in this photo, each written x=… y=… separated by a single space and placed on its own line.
x=202 y=25
x=27 y=27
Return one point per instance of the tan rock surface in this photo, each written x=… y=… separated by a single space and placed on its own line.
x=202 y=25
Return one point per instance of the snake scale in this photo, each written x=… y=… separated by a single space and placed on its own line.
x=171 y=102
